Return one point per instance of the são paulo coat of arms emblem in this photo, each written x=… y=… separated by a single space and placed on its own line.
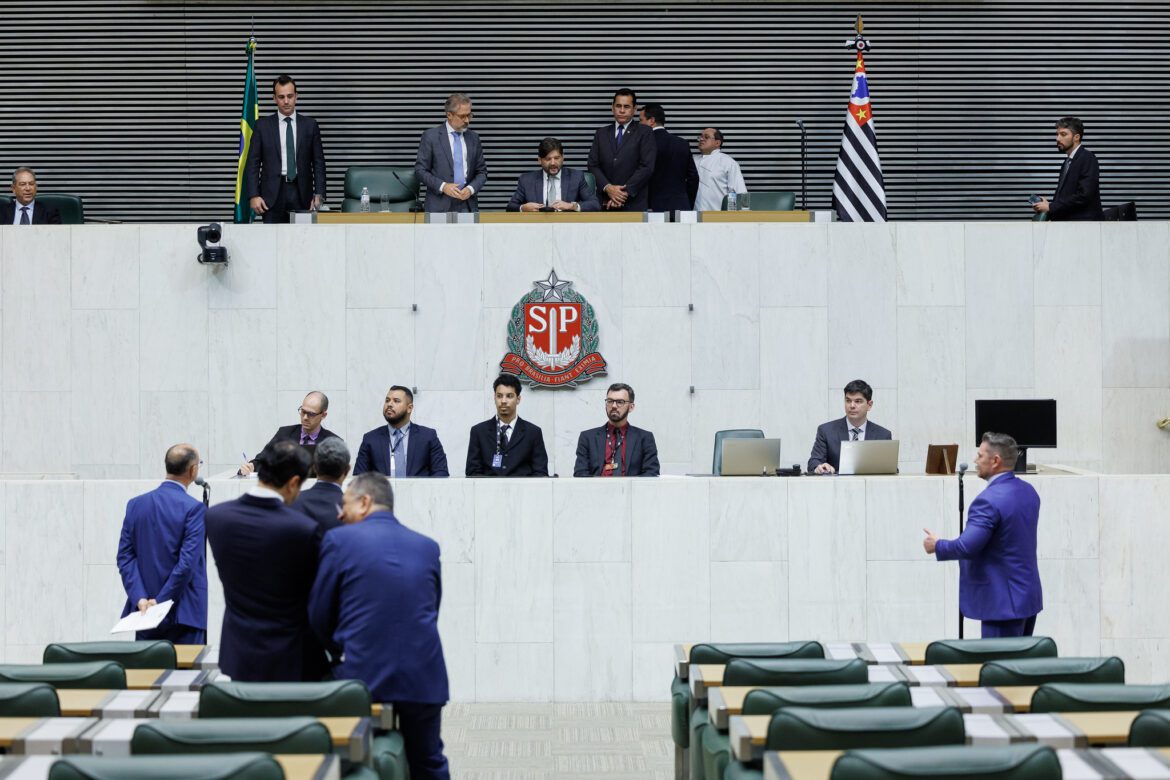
x=552 y=336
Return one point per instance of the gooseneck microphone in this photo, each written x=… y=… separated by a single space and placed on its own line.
x=803 y=164
x=201 y=482
x=414 y=207
x=962 y=506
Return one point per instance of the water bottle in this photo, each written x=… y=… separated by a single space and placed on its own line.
x=365 y=199
x=732 y=201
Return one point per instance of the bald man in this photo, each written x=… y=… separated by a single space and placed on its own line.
x=310 y=432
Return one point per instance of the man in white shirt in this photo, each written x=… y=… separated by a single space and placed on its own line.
x=854 y=426
x=719 y=173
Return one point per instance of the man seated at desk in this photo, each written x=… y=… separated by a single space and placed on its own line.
x=854 y=426
x=313 y=411
x=617 y=449
x=553 y=186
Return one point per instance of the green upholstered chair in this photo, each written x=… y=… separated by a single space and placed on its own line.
x=733 y=433
x=68 y=206
x=1034 y=671
x=337 y=698
x=89 y=674
x=768 y=200
x=814 y=728
x=232 y=735
x=795 y=671
x=978 y=651
x=234 y=766
x=1150 y=729
x=591 y=180
x=401 y=191
x=1010 y=762
x=1099 y=697
x=28 y=700
x=157 y=654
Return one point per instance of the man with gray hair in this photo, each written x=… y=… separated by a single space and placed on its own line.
x=322 y=502
x=450 y=160
x=24 y=209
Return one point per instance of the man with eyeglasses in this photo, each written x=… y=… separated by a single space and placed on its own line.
x=309 y=433
x=617 y=449
x=450 y=160
x=719 y=173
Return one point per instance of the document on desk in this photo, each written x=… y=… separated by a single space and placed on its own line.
x=143 y=621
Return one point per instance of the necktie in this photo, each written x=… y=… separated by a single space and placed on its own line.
x=24 y=216
x=395 y=443
x=457 y=154
x=855 y=431
x=550 y=195
x=621 y=129
x=1063 y=171
x=305 y=438
x=290 y=150
x=503 y=443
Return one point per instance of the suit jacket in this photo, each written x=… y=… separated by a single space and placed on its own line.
x=632 y=164
x=262 y=169
x=524 y=457
x=291 y=433
x=435 y=165
x=641 y=453
x=43 y=213
x=266 y=554
x=375 y=604
x=1078 y=194
x=424 y=454
x=321 y=503
x=827 y=447
x=998 y=575
x=574 y=189
x=161 y=553
x=675 y=182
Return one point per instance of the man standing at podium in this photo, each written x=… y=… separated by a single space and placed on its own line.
x=450 y=160
x=285 y=170
x=854 y=426
x=622 y=158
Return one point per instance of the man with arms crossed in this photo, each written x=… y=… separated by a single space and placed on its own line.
x=854 y=426
x=617 y=449
x=999 y=581
x=401 y=448
x=505 y=445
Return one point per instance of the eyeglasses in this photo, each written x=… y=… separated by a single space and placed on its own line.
x=619 y=402
x=303 y=412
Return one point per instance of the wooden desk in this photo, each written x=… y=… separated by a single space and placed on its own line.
x=352 y=737
x=372 y=217
x=296 y=767
x=870 y=652
x=169 y=679
x=706 y=676
x=87 y=702
x=186 y=655
x=561 y=217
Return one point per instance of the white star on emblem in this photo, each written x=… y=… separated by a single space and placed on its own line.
x=552 y=287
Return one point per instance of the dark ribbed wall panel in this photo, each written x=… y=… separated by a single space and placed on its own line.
x=135 y=105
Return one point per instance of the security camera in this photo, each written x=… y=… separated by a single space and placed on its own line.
x=213 y=253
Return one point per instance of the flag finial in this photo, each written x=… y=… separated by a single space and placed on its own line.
x=858 y=41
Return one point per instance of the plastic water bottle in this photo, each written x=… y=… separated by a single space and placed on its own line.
x=732 y=201
x=366 y=199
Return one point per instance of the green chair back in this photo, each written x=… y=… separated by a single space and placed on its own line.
x=733 y=433
x=813 y=728
x=795 y=671
x=722 y=652
x=157 y=654
x=232 y=735
x=1010 y=762
x=680 y=709
x=591 y=180
x=28 y=700
x=337 y=698
x=1150 y=729
x=978 y=651
x=235 y=766
x=68 y=206
x=1034 y=671
x=1099 y=697
x=90 y=674
x=401 y=191
x=768 y=200
x=765 y=701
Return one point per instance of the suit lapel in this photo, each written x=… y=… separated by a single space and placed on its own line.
x=517 y=434
x=446 y=147
x=413 y=452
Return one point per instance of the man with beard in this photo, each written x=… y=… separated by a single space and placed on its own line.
x=554 y=186
x=617 y=449
x=401 y=448
x=1078 y=191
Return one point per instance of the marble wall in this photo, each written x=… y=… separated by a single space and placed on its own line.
x=576 y=590
x=115 y=343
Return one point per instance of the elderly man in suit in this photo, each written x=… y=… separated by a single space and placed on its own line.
x=161 y=553
x=676 y=179
x=450 y=160
x=617 y=449
x=23 y=209
x=310 y=432
x=554 y=187
x=285 y=169
x=854 y=426
x=375 y=605
x=1078 y=191
x=622 y=157
x=322 y=502
x=401 y=448
x=999 y=580
x=505 y=445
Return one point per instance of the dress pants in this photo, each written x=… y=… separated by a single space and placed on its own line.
x=999 y=628
x=177 y=633
x=420 y=725
x=287 y=199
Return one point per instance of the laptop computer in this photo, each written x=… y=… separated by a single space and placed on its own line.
x=750 y=457
x=869 y=457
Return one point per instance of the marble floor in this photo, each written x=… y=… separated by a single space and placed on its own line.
x=522 y=741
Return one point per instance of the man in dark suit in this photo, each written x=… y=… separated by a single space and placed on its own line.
x=285 y=170
x=375 y=605
x=266 y=554
x=1078 y=191
x=450 y=160
x=622 y=158
x=313 y=411
x=999 y=579
x=24 y=209
x=854 y=426
x=617 y=449
x=676 y=179
x=401 y=448
x=505 y=445
x=161 y=553
x=322 y=502
x=554 y=186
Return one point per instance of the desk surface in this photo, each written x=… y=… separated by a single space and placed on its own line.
x=870 y=652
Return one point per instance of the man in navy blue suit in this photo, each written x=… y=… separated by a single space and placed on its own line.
x=854 y=426
x=161 y=553
x=285 y=169
x=554 y=186
x=675 y=182
x=375 y=605
x=450 y=161
x=322 y=502
x=401 y=448
x=999 y=581
x=266 y=554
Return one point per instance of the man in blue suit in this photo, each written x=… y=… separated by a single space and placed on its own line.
x=375 y=605
x=322 y=502
x=161 y=553
x=825 y=457
x=675 y=182
x=999 y=582
x=450 y=160
x=401 y=448
x=554 y=186
x=266 y=554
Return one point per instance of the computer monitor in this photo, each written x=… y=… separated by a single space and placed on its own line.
x=1031 y=422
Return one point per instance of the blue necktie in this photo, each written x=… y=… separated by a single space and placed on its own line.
x=619 y=135
x=24 y=216
x=395 y=443
x=457 y=153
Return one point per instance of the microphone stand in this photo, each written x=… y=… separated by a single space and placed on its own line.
x=803 y=164
x=962 y=506
x=201 y=482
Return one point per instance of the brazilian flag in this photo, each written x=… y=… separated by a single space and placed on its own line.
x=248 y=116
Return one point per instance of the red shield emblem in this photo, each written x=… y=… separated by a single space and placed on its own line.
x=552 y=336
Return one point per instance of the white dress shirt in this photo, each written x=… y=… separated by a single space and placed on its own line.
x=719 y=175
x=262 y=492
x=17 y=211
x=280 y=132
x=462 y=148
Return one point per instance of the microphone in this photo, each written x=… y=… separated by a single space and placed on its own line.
x=803 y=164
x=415 y=206
x=201 y=482
x=962 y=469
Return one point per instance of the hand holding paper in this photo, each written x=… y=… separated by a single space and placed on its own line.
x=143 y=621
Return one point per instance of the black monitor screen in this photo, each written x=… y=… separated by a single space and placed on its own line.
x=1032 y=422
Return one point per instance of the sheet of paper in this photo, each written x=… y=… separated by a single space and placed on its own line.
x=143 y=621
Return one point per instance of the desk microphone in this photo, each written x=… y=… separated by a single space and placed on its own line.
x=201 y=482
x=803 y=165
x=415 y=206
